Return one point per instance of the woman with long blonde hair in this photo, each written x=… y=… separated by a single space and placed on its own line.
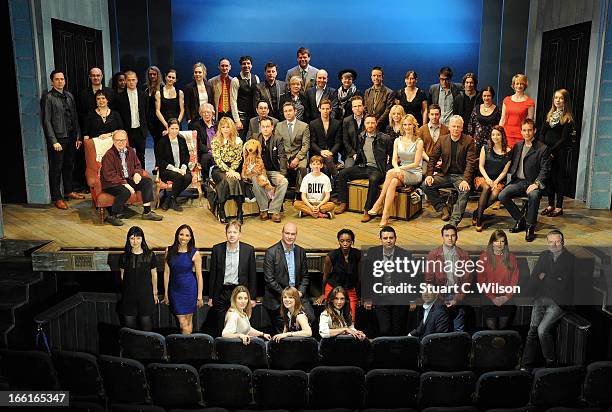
x=237 y=324
x=396 y=114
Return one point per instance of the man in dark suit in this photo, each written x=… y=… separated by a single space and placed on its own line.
x=325 y=135
x=133 y=106
x=529 y=169
x=378 y=99
x=469 y=97
x=458 y=155
x=432 y=317
x=285 y=265
x=446 y=94
x=374 y=151
x=296 y=137
x=352 y=126
x=271 y=91
x=232 y=263
x=317 y=93
x=391 y=311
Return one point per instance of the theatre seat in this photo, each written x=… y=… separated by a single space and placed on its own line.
x=174 y=385
x=79 y=374
x=344 y=351
x=391 y=388
x=196 y=349
x=233 y=351
x=145 y=347
x=503 y=389
x=336 y=387
x=395 y=352
x=446 y=389
x=136 y=408
x=598 y=384
x=226 y=386
x=28 y=370
x=124 y=380
x=446 y=351
x=554 y=387
x=294 y=353
x=495 y=350
x=94 y=151
x=274 y=389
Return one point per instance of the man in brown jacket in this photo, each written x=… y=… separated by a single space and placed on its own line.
x=431 y=132
x=458 y=155
x=378 y=99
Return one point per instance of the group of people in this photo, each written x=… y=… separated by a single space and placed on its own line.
x=452 y=136
x=232 y=286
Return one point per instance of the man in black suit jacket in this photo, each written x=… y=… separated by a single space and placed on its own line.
x=270 y=91
x=316 y=94
x=326 y=143
x=451 y=91
x=285 y=265
x=133 y=106
x=352 y=126
x=232 y=263
x=432 y=318
x=529 y=169
x=392 y=311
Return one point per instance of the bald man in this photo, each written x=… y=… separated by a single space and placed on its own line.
x=87 y=97
x=285 y=265
x=321 y=91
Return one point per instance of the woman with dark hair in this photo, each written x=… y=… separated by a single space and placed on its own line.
x=226 y=149
x=183 y=284
x=413 y=99
x=197 y=93
x=237 y=323
x=138 y=268
x=346 y=90
x=295 y=321
x=336 y=318
x=169 y=104
x=555 y=133
x=501 y=268
x=342 y=267
x=102 y=121
x=493 y=164
x=173 y=162
x=118 y=83
x=483 y=118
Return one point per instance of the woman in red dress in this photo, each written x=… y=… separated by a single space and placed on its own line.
x=515 y=109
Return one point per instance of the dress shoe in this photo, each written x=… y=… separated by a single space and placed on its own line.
x=446 y=215
x=74 y=195
x=152 y=216
x=276 y=217
x=264 y=215
x=547 y=211
x=556 y=213
x=518 y=227
x=341 y=208
x=166 y=204
x=366 y=217
x=474 y=217
x=175 y=206
x=530 y=233
x=114 y=220
x=60 y=204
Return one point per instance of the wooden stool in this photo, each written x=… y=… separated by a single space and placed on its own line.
x=404 y=206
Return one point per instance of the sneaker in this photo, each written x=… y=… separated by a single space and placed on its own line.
x=152 y=216
x=114 y=220
x=300 y=213
x=330 y=215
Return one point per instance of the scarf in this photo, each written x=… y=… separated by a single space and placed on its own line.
x=555 y=118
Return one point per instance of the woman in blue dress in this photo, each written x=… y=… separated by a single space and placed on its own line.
x=183 y=287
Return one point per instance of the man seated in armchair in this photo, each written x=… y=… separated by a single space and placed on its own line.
x=121 y=176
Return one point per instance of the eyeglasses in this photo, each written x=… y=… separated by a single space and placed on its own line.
x=443 y=79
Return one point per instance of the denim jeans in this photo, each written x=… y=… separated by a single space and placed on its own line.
x=544 y=317
x=518 y=188
x=280 y=183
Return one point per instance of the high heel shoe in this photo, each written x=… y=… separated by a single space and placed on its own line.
x=221 y=213
x=373 y=211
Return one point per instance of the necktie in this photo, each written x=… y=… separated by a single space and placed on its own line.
x=290 y=129
x=304 y=78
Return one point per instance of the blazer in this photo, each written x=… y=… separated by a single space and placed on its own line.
x=123 y=106
x=192 y=100
x=438 y=277
x=433 y=97
x=383 y=151
x=199 y=126
x=466 y=156
x=425 y=135
x=246 y=269
x=558 y=284
x=276 y=149
x=111 y=170
x=381 y=107
x=311 y=76
x=299 y=144
x=254 y=126
x=328 y=93
x=375 y=253
x=350 y=134
x=164 y=156
x=319 y=140
x=437 y=321
x=276 y=274
x=536 y=165
x=215 y=84
x=262 y=94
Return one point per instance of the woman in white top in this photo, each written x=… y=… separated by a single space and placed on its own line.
x=295 y=321
x=336 y=318
x=237 y=323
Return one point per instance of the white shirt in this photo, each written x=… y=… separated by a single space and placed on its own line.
x=434 y=131
x=315 y=187
x=133 y=99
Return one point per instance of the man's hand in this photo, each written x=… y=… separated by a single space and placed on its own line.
x=130 y=188
x=78 y=144
x=542 y=275
x=464 y=186
x=294 y=163
x=137 y=178
x=429 y=180
x=239 y=125
x=57 y=147
x=532 y=187
x=326 y=153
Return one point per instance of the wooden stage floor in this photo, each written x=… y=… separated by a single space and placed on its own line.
x=78 y=228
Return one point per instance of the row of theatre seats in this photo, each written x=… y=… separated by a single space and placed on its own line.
x=123 y=384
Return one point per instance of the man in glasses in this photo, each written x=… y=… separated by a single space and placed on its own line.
x=446 y=94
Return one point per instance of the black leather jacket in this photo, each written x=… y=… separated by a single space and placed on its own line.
x=54 y=122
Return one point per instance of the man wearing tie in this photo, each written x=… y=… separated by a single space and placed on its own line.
x=242 y=92
x=133 y=110
x=262 y=111
x=232 y=263
x=304 y=70
x=321 y=91
x=379 y=98
x=295 y=135
x=285 y=265
x=221 y=89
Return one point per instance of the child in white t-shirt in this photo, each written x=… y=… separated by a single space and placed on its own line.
x=316 y=189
